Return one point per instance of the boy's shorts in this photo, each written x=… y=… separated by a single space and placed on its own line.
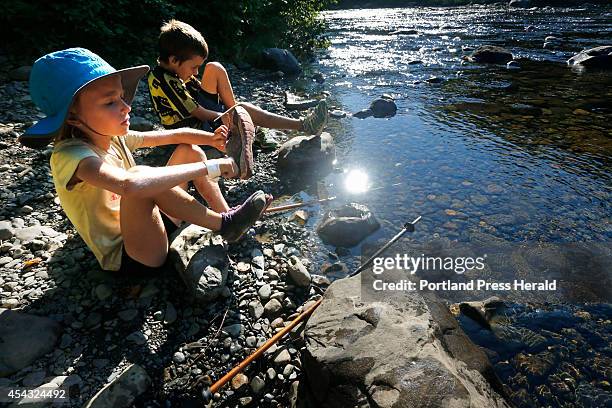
x=211 y=102
x=133 y=267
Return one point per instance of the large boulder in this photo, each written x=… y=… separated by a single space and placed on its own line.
x=598 y=58
x=383 y=107
x=306 y=156
x=200 y=258
x=24 y=338
x=347 y=226
x=491 y=54
x=278 y=59
x=403 y=351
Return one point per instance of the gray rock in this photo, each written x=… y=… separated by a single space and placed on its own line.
x=140 y=124
x=103 y=291
x=283 y=358
x=34 y=379
x=595 y=58
x=234 y=330
x=273 y=308
x=348 y=225
x=403 y=351
x=170 y=315
x=6 y=230
x=404 y=32
x=24 y=338
x=128 y=314
x=278 y=59
x=257 y=384
x=137 y=337
x=122 y=390
x=482 y=312
x=256 y=309
x=307 y=156
x=298 y=272
x=383 y=107
x=490 y=54
x=178 y=357
x=264 y=292
x=29 y=234
x=41 y=398
x=201 y=260
x=293 y=102
x=21 y=73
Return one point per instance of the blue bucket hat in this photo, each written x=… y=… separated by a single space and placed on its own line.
x=55 y=80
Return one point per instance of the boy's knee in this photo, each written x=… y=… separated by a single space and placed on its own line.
x=215 y=66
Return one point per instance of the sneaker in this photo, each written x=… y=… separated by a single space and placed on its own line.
x=315 y=122
x=235 y=222
x=240 y=143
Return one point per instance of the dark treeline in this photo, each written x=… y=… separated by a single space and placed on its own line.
x=347 y=4
x=125 y=31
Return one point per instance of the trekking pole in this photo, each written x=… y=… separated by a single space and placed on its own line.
x=208 y=393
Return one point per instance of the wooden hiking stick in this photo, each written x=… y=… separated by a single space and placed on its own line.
x=208 y=393
x=286 y=207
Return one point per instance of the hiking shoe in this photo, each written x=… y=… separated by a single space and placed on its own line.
x=235 y=222
x=240 y=143
x=317 y=119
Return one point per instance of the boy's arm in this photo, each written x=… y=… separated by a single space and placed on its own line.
x=205 y=115
x=184 y=135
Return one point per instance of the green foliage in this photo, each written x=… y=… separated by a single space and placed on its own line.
x=125 y=31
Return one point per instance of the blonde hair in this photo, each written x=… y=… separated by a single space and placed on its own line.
x=68 y=131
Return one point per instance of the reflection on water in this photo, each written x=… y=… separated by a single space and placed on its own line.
x=519 y=155
x=356 y=181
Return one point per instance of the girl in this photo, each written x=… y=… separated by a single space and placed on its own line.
x=125 y=213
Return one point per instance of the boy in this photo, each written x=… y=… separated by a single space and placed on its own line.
x=181 y=100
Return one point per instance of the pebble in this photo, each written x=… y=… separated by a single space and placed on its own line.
x=128 y=314
x=264 y=292
x=271 y=373
x=257 y=384
x=178 y=357
x=272 y=307
x=256 y=309
x=282 y=358
x=103 y=291
x=137 y=337
x=239 y=381
x=170 y=315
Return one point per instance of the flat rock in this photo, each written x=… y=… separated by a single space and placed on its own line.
x=200 y=258
x=399 y=351
x=24 y=338
x=294 y=102
x=298 y=272
x=122 y=390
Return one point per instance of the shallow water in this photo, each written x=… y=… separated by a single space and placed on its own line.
x=522 y=155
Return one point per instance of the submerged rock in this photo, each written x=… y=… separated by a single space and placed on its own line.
x=490 y=54
x=598 y=58
x=347 y=226
x=403 y=352
x=200 y=258
x=306 y=156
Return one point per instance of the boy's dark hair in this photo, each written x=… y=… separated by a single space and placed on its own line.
x=182 y=41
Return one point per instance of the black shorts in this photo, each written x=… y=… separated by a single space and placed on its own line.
x=132 y=266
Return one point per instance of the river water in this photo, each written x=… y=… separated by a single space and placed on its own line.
x=519 y=155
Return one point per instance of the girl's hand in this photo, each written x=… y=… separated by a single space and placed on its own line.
x=219 y=138
x=228 y=167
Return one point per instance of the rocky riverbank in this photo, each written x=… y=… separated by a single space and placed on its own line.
x=98 y=324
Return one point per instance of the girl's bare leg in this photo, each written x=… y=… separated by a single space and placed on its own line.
x=144 y=235
x=208 y=189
